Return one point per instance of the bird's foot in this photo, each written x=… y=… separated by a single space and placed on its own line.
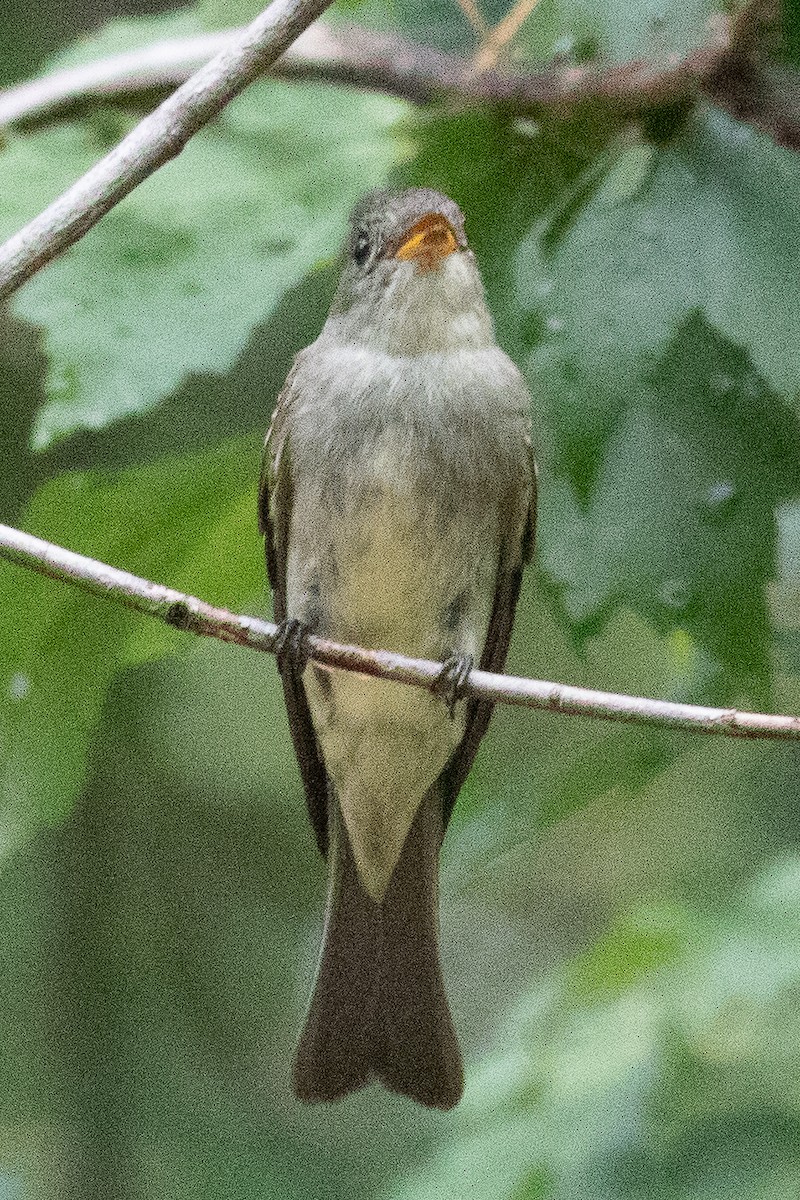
x=291 y=645
x=452 y=679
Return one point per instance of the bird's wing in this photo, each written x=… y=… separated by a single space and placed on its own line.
x=494 y=653
x=274 y=518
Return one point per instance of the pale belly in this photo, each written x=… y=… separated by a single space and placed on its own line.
x=400 y=572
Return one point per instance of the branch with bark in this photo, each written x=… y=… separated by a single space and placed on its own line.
x=417 y=73
x=357 y=57
x=155 y=140
x=196 y=616
x=728 y=69
x=367 y=60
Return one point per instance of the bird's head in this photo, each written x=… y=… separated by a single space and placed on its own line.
x=409 y=283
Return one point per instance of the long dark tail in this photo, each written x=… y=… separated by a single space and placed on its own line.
x=379 y=1009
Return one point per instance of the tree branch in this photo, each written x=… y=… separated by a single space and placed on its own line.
x=473 y=15
x=496 y=39
x=155 y=140
x=730 y=70
x=356 y=57
x=195 y=616
x=722 y=68
x=160 y=65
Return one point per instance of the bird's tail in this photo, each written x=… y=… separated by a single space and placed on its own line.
x=379 y=1009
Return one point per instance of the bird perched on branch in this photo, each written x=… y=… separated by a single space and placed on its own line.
x=398 y=500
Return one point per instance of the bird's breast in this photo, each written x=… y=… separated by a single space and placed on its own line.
x=402 y=470
x=401 y=549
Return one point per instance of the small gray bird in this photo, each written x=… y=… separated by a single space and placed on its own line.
x=398 y=500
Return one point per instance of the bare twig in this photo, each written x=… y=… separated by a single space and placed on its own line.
x=498 y=37
x=159 y=65
x=343 y=54
x=473 y=15
x=189 y=613
x=155 y=140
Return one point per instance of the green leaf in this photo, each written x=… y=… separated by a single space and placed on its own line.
x=679 y=522
x=126 y=34
x=174 y=279
x=188 y=522
x=578 y=29
x=712 y=226
x=660 y=298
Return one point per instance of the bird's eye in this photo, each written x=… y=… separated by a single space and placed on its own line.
x=361 y=248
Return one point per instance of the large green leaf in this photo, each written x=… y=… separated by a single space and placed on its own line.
x=174 y=279
x=709 y=222
x=188 y=522
x=660 y=301
x=680 y=520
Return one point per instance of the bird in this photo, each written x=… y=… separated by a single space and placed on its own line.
x=398 y=504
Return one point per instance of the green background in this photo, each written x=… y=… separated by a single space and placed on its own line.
x=620 y=906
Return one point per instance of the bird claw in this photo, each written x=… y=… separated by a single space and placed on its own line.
x=452 y=679
x=291 y=645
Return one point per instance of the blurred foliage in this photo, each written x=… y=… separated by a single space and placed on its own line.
x=160 y=515
x=570 y=29
x=791 y=17
x=621 y=906
x=33 y=32
x=660 y=1064
x=184 y=268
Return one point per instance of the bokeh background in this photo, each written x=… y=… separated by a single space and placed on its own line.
x=620 y=906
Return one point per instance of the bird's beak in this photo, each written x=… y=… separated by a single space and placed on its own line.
x=428 y=242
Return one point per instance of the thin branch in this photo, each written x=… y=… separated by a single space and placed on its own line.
x=195 y=616
x=155 y=140
x=498 y=37
x=159 y=65
x=356 y=57
x=473 y=15
x=728 y=70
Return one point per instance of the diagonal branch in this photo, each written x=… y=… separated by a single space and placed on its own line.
x=195 y=616
x=497 y=38
x=155 y=140
x=473 y=14
x=726 y=69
